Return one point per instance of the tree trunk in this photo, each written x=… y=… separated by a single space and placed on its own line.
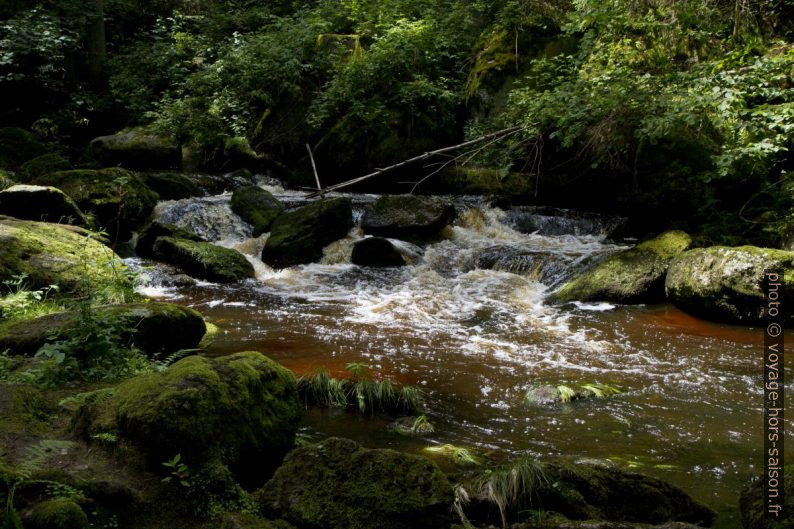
x=95 y=44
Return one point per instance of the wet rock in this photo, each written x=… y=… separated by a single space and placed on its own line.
x=411 y=426
x=45 y=164
x=136 y=148
x=119 y=200
x=724 y=283
x=554 y=221
x=152 y=327
x=376 y=252
x=257 y=207
x=545 y=266
x=52 y=254
x=407 y=217
x=210 y=218
x=753 y=504
x=57 y=514
x=241 y=410
x=632 y=276
x=172 y=186
x=17 y=146
x=299 y=236
x=204 y=260
x=338 y=484
x=40 y=203
x=154 y=230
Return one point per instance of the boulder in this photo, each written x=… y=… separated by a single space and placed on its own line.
x=631 y=276
x=242 y=410
x=753 y=504
x=407 y=217
x=203 y=260
x=144 y=246
x=5 y=180
x=257 y=207
x=248 y=521
x=298 y=237
x=725 y=283
x=172 y=186
x=17 y=146
x=40 y=203
x=118 y=199
x=338 y=484
x=44 y=164
x=57 y=514
x=53 y=254
x=376 y=252
x=152 y=327
x=136 y=148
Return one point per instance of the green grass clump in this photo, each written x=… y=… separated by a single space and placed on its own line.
x=563 y=393
x=459 y=455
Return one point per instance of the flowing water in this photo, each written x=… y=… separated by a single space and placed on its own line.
x=466 y=322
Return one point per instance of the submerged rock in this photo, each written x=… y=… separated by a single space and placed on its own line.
x=137 y=148
x=172 y=186
x=40 y=203
x=144 y=246
x=242 y=410
x=152 y=327
x=376 y=252
x=257 y=207
x=57 y=514
x=204 y=260
x=338 y=484
x=45 y=164
x=119 y=200
x=407 y=217
x=298 y=237
x=53 y=254
x=724 y=283
x=632 y=276
x=753 y=504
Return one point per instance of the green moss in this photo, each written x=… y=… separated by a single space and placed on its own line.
x=23 y=410
x=18 y=146
x=171 y=186
x=154 y=230
x=204 y=260
x=57 y=514
x=483 y=181
x=40 y=203
x=5 y=180
x=496 y=53
x=257 y=207
x=42 y=165
x=136 y=147
x=408 y=217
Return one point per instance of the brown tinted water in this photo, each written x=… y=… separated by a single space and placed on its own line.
x=476 y=340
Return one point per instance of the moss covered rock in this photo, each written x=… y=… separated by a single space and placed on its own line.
x=172 y=186
x=5 y=180
x=57 y=514
x=338 y=484
x=136 y=148
x=407 y=217
x=152 y=327
x=726 y=283
x=144 y=246
x=204 y=260
x=52 y=254
x=257 y=207
x=481 y=181
x=40 y=203
x=298 y=237
x=753 y=504
x=632 y=276
x=18 y=146
x=242 y=409
x=376 y=252
x=117 y=198
x=248 y=521
x=45 y=164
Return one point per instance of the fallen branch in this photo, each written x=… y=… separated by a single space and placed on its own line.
x=314 y=168
x=499 y=134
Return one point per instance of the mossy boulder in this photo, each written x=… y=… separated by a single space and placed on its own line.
x=376 y=252
x=632 y=276
x=152 y=327
x=117 y=198
x=42 y=203
x=407 y=217
x=257 y=207
x=248 y=521
x=41 y=165
x=57 y=514
x=53 y=254
x=144 y=246
x=299 y=236
x=203 y=260
x=5 y=180
x=753 y=504
x=467 y=180
x=17 y=146
x=338 y=484
x=726 y=283
x=172 y=186
x=136 y=148
x=241 y=409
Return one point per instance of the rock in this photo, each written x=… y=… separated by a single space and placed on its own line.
x=5 y=180
x=554 y=221
x=144 y=246
x=632 y=276
x=211 y=218
x=298 y=237
x=238 y=154
x=172 y=186
x=338 y=484
x=407 y=217
x=137 y=148
x=119 y=200
x=257 y=207
x=242 y=409
x=753 y=504
x=466 y=180
x=411 y=426
x=53 y=254
x=57 y=514
x=725 y=284
x=158 y=328
x=40 y=203
x=376 y=252
x=203 y=260
x=247 y=521
x=45 y=164
x=18 y=146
